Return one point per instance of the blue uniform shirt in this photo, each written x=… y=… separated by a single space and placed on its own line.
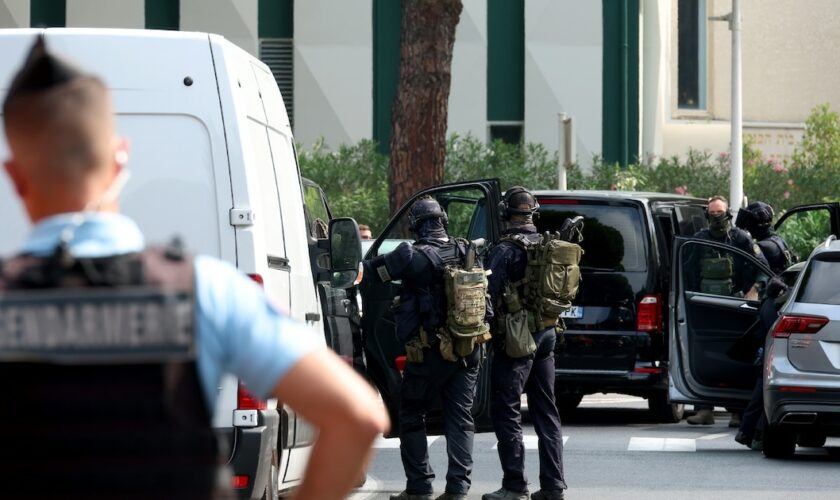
x=237 y=330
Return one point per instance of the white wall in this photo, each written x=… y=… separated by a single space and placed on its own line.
x=333 y=71
x=468 y=94
x=106 y=13
x=655 y=60
x=14 y=14
x=563 y=72
x=236 y=20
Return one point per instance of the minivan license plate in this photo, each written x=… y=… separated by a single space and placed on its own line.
x=574 y=312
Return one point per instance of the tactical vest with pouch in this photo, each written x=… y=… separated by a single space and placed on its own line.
x=551 y=282
x=716 y=274
x=101 y=395
x=465 y=289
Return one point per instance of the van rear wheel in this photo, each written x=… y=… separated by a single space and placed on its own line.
x=663 y=410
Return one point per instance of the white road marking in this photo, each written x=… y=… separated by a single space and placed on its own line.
x=394 y=443
x=369 y=491
x=661 y=444
x=530 y=442
x=716 y=436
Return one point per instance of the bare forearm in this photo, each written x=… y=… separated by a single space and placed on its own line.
x=349 y=415
x=338 y=460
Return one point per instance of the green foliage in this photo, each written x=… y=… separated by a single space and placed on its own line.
x=531 y=165
x=355 y=177
x=816 y=161
x=804 y=231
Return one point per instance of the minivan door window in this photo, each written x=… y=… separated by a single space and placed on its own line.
x=805 y=230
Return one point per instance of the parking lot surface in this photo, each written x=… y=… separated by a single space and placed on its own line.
x=614 y=450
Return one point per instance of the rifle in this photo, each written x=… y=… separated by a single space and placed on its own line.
x=571 y=230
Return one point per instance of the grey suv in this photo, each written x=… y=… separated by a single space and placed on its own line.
x=802 y=371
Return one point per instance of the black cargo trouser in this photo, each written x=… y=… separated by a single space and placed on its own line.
x=754 y=420
x=535 y=376
x=455 y=383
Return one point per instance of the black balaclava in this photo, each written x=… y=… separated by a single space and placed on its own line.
x=720 y=225
x=428 y=220
x=520 y=218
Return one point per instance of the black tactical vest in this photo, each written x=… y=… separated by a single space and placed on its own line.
x=100 y=393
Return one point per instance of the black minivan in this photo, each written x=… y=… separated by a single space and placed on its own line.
x=616 y=332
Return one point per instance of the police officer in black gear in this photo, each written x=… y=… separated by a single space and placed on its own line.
x=533 y=374
x=751 y=431
x=757 y=219
x=721 y=230
x=419 y=314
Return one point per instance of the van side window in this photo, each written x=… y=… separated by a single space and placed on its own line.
x=317 y=216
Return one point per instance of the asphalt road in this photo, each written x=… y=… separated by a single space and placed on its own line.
x=614 y=450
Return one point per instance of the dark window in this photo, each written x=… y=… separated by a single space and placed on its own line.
x=691 y=56
x=719 y=271
x=819 y=284
x=612 y=235
x=511 y=134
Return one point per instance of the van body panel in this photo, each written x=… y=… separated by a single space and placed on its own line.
x=209 y=133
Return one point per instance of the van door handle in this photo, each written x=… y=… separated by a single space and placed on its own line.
x=313 y=317
x=748 y=307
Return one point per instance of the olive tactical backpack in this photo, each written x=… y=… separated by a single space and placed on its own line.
x=466 y=303
x=552 y=276
x=465 y=287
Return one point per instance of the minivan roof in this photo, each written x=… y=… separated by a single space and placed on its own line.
x=623 y=195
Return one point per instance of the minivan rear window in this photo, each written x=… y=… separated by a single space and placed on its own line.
x=612 y=235
x=819 y=284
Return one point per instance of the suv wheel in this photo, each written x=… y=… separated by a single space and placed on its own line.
x=811 y=439
x=779 y=442
x=663 y=410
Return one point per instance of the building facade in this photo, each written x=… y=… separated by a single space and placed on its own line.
x=636 y=77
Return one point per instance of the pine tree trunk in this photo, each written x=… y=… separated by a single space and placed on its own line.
x=419 y=116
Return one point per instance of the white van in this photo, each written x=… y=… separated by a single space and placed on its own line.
x=212 y=161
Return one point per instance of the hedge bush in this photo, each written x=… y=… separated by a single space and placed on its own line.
x=355 y=177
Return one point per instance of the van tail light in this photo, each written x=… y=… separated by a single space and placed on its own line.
x=258 y=279
x=241 y=482
x=790 y=324
x=649 y=316
x=246 y=401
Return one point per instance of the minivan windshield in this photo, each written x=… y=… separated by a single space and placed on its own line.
x=612 y=235
x=819 y=284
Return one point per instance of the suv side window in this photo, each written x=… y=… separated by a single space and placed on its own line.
x=719 y=271
x=819 y=284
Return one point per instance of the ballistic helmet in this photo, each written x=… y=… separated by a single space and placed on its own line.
x=424 y=209
x=756 y=215
x=513 y=199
